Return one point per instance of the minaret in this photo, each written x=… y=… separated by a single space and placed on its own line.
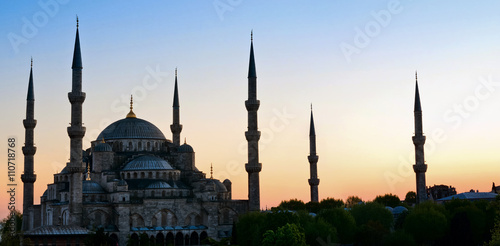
x=29 y=150
x=418 y=140
x=76 y=132
x=253 y=167
x=176 y=127
x=313 y=160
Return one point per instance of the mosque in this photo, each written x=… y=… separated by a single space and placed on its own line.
x=133 y=181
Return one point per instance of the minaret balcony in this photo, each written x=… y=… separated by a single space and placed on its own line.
x=176 y=128
x=28 y=178
x=252 y=104
x=75 y=169
x=252 y=135
x=420 y=168
x=313 y=158
x=418 y=140
x=76 y=97
x=313 y=182
x=29 y=123
x=29 y=150
x=76 y=131
x=253 y=168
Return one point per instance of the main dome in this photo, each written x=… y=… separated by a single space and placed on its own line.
x=134 y=128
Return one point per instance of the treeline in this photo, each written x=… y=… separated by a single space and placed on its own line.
x=333 y=222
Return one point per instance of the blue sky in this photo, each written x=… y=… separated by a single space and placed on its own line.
x=362 y=101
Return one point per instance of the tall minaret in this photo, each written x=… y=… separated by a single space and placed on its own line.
x=418 y=140
x=176 y=127
x=313 y=160
x=76 y=132
x=253 y=166
x=29 y=150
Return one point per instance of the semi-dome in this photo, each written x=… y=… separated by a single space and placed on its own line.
x=90 y=186
x=159 y=185
x=103 y=147
x=131 y=128
x=147 y=162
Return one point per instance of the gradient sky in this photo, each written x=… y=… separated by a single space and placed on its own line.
x=354 y=61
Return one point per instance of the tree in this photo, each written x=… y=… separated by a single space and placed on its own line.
x=292 y=204
x=411 y=198
x=374 y=222
x=388 y=200
x=250 y=228
x=399 y=238
x=342 y=221
x=99 y=238
x=426 y=223
x=11 y=233
x=287 y=235
x=352 y=200
x=331 y=202
x=316 y=228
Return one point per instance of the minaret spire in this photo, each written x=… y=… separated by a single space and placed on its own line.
x=29 y=150
x=253 y=167
x=76 y=131
x=418 y=140
x=176 y=127
x=313 y=160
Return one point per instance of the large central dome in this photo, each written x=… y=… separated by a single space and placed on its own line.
x=134 y=128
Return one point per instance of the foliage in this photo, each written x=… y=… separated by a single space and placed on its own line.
x=399 y=238
x=468 y=224
x=426 y=223
x=250 y=228
x=287 y=235
x=292 y=204
x=315 y=228
x=352 y=200
x=374 y=222
x=495 y=234
x=388 y=200
x=331 y=202
x=342 y=220
x=12 y=238
x=411 y=198
x=99 y=238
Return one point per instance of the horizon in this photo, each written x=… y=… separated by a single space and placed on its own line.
x=354 y=62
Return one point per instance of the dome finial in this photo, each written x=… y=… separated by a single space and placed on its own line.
x=184 y=140
x=32 y=61
x=131 y=114
x=211 y=171
x=77 y=21
x=416 y=79
x=88 y=173
x=251 y=35
x=102 y=140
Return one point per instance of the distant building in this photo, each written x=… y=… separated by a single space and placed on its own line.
x=470 y=196
x=440 y=191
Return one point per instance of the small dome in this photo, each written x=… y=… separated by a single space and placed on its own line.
x=64 y=170
x=399 y=210
x=226 y=181
x=90 y=186
x=185 y=148
x=159 y=185
x=45 y=193
x=131 y=128
x=103 y=147
x=147 y=162
x=122 y=182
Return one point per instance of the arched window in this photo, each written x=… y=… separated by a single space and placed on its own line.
x=130 y=147
x=149 y=146
x=139 y=146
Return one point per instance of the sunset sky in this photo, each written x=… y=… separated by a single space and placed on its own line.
x=355 y=61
